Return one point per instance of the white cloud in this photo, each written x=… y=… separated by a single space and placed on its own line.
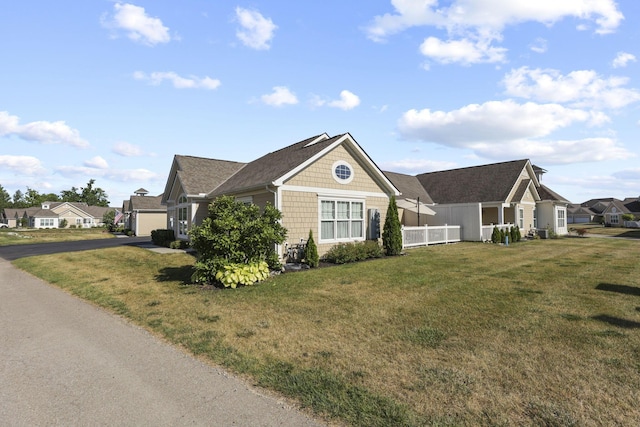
x=506 y=129
x=257 y=31
x=415 y=166
x=120 y=175
x=583 y=88
x=97 y=162
x=41 y=131
x=179 y=82
x=24 y=165
x=489 y=14
x=539 y=45
x=347 y=101
x=473 y=25
x=125 y=149
x=622 y=59
x=493 y=120
x=280 y=96
x=139 y=26
x=465 y=51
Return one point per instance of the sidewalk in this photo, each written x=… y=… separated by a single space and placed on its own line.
x=66 y=362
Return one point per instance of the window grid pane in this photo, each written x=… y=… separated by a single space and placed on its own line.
x=343 y=210
x=356 y=229
x=357 y=210
x=328 y=210
x=327 y=230
x=343 y=229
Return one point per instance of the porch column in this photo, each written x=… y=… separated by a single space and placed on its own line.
x=501 y=214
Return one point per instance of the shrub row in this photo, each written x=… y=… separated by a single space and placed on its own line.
x=499 y=235
x=353 y=252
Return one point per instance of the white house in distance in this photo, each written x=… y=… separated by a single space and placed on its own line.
x=52 y=214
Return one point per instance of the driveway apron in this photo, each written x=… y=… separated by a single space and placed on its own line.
x=66 y=362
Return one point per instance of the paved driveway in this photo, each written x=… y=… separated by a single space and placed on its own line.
x=13 y=252
x=66 y=362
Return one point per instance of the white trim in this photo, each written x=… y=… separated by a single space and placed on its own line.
x=329 y=192
x=305 y=164
x=336 y=219
x=320 y=138
x=336 y=177
x=359 y=151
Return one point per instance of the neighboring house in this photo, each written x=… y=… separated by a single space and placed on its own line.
x=143 y=214
x=479 y=197
x=610 y=210
x=578 y=214
x=414 y=204
x=52 y=214
x=328 y=185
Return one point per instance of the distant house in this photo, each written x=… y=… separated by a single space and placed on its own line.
x=610 y=210
x=479 y=197
x=328 y=185
x=53 y=214
x=578 y=214
x=142 y=214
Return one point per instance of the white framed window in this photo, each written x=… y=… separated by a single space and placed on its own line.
x=341 y=220
x=521 y=218
x=46 y=222
x=183 y=212
x=535 y=218
x=342 y=172
x=615 y=219
x=562 y=218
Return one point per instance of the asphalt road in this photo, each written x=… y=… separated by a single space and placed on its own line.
x=66 y=362
x=14 y=252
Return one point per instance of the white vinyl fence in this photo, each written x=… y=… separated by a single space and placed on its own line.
x=430 y=235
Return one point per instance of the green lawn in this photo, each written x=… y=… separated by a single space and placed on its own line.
x=545 y=332
x=598 y=229
x=12 y=236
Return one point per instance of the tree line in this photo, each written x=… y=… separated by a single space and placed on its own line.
x=92 y=196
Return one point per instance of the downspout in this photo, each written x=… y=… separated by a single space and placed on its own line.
x=275 y=196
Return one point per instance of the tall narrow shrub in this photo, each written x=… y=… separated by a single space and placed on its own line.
x=392 y=233
x=495 y=235
x=311 y=252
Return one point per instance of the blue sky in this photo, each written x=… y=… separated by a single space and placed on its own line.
x=112 y=90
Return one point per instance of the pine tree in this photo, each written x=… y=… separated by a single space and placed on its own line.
x=311 y=252
x=392 y=233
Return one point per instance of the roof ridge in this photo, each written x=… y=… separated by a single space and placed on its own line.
x=477 y=166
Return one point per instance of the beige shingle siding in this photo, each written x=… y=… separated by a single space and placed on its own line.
x=300 y=214
x=320 y=174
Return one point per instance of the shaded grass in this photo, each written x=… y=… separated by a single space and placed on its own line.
x=538 y=333
x=9 y=236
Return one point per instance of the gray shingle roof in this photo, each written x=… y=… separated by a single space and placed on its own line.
x=268 y=168
x=547 y=194
x=200 y=175
x=486 y=183
x=409 y=186
x=142 y=203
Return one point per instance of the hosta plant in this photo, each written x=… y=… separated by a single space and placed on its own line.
x=232 y=275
